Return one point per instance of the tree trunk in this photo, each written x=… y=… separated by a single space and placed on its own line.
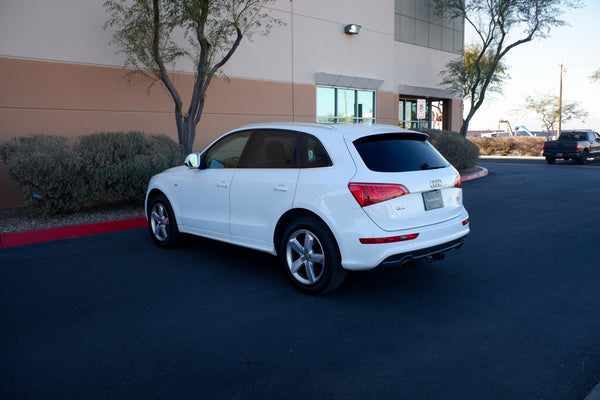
x=186 y=132
x=190 y=135
x=465 y=125
x=464 y=128
x=472 y=110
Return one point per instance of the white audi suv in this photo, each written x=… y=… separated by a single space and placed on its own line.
x=325 y=198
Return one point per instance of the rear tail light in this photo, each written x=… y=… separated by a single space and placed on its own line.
x=466 y=221
x=367 y=194
x=576 y=146
x=458 y=182
x=544 y=146
x=389 y=239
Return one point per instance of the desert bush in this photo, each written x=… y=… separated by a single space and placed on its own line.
x=117 y=166
x=528 y=146
x=509 y=146
x=60 y=175
x=460 y=152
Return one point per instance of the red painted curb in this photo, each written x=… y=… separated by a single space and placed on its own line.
x=65 y=232
x=475 y=175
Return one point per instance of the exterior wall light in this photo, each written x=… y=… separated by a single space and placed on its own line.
x=352 y=29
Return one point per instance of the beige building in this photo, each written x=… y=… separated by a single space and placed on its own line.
x=59 y=75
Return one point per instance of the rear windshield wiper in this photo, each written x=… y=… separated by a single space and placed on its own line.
x=427 y=166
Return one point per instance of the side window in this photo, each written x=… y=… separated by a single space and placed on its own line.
x=226 y=153
x=312 y=153
x=274 y=149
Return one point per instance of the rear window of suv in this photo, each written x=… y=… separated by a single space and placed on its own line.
x=399 y=152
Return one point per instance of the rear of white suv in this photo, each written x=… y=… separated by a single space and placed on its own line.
x=337 y=198
x=412 y=197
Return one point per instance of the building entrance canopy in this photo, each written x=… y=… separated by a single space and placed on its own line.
x=355 y=82
x=425 y=92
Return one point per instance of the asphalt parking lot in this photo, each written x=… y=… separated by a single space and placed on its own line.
x=511 y=315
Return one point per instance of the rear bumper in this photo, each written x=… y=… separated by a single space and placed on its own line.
x=563 y=154
x=431 y=253
x=432 y=240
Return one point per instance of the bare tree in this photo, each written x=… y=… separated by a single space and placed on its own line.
x=155 y=33
x=546 y=107
x=500 y=26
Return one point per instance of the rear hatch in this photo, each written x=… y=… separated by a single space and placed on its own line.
x=426 y=187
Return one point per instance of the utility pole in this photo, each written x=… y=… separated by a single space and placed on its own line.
x=560 y=103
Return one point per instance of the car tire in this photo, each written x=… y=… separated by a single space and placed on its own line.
x=162 y=223
x=311 y=257
x=550 y=160
x=583 y=159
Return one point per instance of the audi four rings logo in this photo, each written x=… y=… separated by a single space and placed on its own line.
x=435 y=183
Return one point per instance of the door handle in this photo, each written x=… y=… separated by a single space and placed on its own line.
x=280 y=188
x=222 y=185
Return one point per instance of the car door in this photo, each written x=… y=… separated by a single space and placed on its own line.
x=265 y=189
x=204 y=192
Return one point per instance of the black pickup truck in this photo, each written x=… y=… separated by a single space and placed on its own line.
x=573 y=145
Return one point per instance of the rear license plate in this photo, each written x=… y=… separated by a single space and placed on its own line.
x=559 y=154
x=433 y=200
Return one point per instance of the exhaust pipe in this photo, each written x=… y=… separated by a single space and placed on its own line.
x=435 y=257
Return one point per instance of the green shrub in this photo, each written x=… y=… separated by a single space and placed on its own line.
x=509 y=146
x=60 y=175
x=460 y=152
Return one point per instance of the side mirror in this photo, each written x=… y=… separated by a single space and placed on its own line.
x=193 y=161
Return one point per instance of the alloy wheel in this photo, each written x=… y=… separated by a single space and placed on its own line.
x=159 y=221
x=305 y=257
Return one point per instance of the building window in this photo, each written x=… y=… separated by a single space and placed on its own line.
x=407 y=114
x=416 y=23
x=342 y=105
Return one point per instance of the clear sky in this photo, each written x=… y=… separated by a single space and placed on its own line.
x=534 y=68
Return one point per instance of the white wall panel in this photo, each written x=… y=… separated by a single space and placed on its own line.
x=60 y=30
x=374 y=15
x=418 y=66
x=322 y=46
x=72 y=31
x=265 y=57
x=311 y=41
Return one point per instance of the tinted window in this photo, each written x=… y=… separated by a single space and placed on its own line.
x=573 y=136
x=399 y=153
x=227 y=152
x=313 y=153
x=274 y=149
